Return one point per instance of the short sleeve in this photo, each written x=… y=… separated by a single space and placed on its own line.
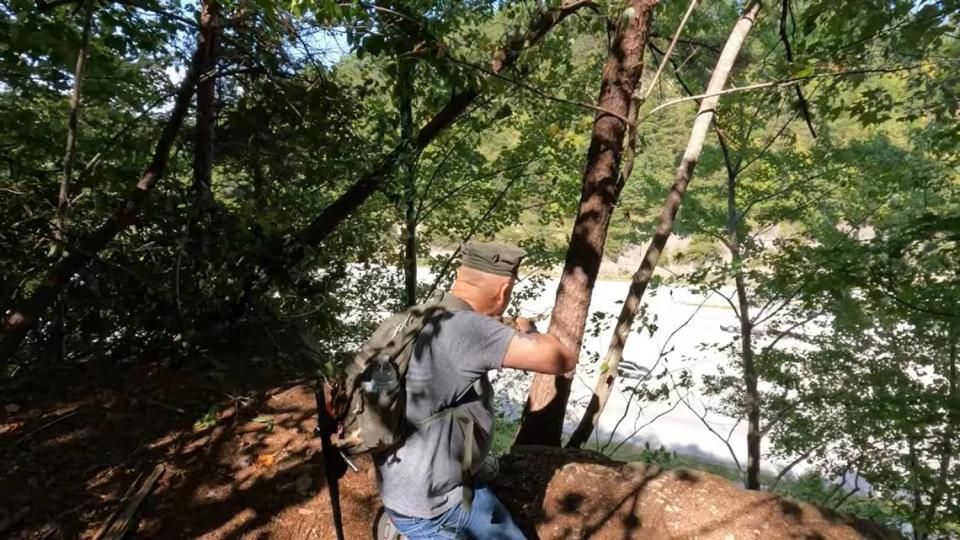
x=479 y=343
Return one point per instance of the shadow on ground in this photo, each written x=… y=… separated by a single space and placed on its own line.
x=582 y=494
x=235 y=434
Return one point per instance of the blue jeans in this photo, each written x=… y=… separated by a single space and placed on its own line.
x=488 y=519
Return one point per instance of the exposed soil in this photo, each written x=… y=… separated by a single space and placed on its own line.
x=241 y=463
x=580 y=494
x=71 y=443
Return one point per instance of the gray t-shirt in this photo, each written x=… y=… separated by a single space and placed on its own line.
x=422 y=477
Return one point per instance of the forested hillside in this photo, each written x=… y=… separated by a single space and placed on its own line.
x=189 y=192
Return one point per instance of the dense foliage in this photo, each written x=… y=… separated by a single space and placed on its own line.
x=826 y=207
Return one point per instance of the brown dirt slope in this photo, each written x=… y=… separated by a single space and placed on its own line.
x=241 y=463
x=581 y=494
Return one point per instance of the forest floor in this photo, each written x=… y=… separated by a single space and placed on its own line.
x=236 y=441
x=235 y=438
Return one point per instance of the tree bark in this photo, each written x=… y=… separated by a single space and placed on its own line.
x=403 y=33
x=750 y=376
x=668 y=215
x=952 y=421
x=23 y=315
x=543 y=416
x=409 y=180
x=69 y=158
x=206 y=106
x=196 y=230
x=368 y=183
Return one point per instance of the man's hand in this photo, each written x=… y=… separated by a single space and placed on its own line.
x=532 y=351
x=525 y=326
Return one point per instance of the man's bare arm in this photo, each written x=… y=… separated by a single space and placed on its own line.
x=532 y=351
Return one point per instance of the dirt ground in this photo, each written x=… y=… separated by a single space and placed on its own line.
x=580 y=494
x=239 y=457
x=241 y=462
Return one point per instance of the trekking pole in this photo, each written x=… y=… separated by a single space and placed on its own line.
x=334 y=464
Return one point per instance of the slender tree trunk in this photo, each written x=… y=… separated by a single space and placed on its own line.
x=260 y=195
x=746 y=335
x=69 y=158
x=23 y=315
x=949 y=431
x=750 y=376
x=206 y=106
x=750 y=379
x=206 y=100
x=543 y=416
x=914 y=482
x=408 y=179
x=402 y=32
x=70 y=155
x=196 y=229
x=368 y=183
x=668 y=215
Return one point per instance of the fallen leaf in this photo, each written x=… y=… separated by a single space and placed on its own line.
x=265 y=460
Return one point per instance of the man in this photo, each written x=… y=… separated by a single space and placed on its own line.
x=422 y=484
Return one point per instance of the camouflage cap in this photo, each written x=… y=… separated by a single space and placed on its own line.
x=492 y=257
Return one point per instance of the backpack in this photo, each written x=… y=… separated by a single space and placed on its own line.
x=369 y=401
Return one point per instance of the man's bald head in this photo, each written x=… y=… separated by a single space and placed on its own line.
x=481 y=279
x=486 y=293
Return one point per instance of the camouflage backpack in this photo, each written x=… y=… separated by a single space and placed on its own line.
x=369 y=401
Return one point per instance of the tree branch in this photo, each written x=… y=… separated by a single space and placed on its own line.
x=783 y=472
x=334 y=214
x=788 y=51
x=777 y=84
x=666 y=55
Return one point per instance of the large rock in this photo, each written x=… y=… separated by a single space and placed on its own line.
x=558 y=493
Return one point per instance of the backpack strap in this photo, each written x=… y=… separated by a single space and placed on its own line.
x=449 y=302
x=462 y=417
x=466 y=462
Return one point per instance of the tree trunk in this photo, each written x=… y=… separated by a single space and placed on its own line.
x=403 y=33
x=18 y=320
x=69 y=158
x=949 y=431
x=664 y=227
x=206 y=120
x=196 y=229
x=504 y=58
x=750 y=377
x=409 y=181
x=543 y=416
